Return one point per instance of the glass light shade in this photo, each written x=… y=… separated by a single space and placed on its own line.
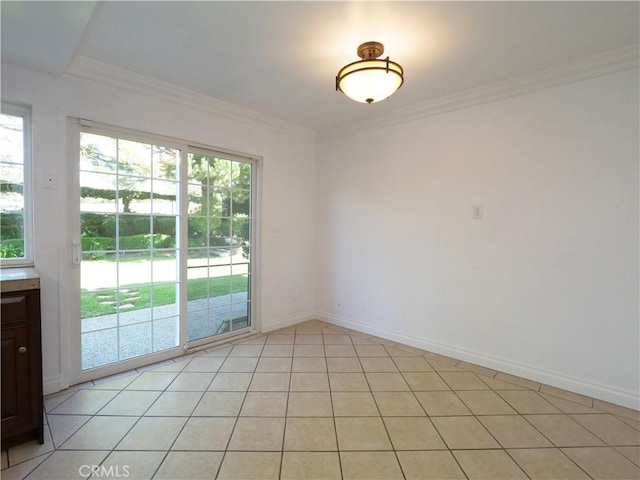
x=369 y=81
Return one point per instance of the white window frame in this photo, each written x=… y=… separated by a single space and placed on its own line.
x=27 y=188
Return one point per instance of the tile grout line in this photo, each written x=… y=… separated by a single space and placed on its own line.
x=427 y=416
x=286 y=410
x=333 y=412
x=91 y=417
x=189 y=417
x=244 y=399
x=140 y=417
x=486 y=429
x=375 y=401
x=472 y=414
x=502 y=448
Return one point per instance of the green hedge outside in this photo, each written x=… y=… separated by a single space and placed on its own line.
x=133 y=242
x=12 y=248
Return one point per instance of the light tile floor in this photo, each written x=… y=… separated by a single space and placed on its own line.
x=320 y=401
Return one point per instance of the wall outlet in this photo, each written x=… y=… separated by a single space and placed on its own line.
x=477 y=212
x=339 y=306
x=363 y=307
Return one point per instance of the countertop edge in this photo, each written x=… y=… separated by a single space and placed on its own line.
x=16 y=279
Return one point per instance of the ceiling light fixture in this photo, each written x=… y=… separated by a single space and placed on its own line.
x=370 y=79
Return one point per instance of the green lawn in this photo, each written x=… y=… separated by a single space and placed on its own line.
x=98 y=303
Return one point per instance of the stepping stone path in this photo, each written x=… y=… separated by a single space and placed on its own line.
x=129 y=296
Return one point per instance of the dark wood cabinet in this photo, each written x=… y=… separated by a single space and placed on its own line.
x=22 y=417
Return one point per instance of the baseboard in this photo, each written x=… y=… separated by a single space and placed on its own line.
x=53 y=386
x=287 y=322
x=596 y=390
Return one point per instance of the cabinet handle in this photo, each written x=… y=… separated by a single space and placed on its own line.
x=22 y=350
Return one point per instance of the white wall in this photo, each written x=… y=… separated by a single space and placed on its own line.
x=545 y=285
x=286 y=204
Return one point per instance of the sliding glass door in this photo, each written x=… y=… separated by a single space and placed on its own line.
x=219 y=245
x=129 y=219
x=164 y=248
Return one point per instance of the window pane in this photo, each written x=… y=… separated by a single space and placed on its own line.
x=241 y=204
x=165 y=163
x=241 y=175
x=99 y=271
x=134 y=340
x=98 y=153
x=197 y=289
x=166 y=333
x=240 y=317
x=99 y=347
x=165 y=268
x=240 y=288
x=98 y=192
x=241 y=231
x=220 y=172
x=219 y=256
x=12 y=138
x=134 y=158
x=197 y=259
x=134 y=194
x=134 y=268
x=134 y=303
x=97 y=232
x=164 y=229
x=220 y=233
x=200 y=325
x=197 y=232
x=219 y=286
x=220 y=202
x=11 y=234
x=198 y=168
x=12 y=177
x=197 y=200
x=222 y=316
x=164 y=300
x=165 y=196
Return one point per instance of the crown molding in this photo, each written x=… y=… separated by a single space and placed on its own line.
x=87 y=68
x=590 y=67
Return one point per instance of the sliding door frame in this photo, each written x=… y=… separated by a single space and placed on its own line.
x=70 y=296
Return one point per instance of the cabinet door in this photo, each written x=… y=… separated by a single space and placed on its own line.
x=16 y=394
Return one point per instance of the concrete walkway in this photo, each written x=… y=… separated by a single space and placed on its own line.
x=110 y=338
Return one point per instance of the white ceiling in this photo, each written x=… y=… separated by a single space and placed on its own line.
x=280 y=58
